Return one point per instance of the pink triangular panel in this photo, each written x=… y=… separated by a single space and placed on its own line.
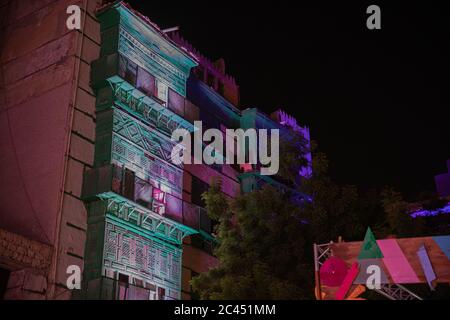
x=396 y=262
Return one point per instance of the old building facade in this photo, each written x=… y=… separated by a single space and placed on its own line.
x=86 y=119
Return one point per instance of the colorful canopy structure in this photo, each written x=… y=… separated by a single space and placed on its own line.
x=382 y=265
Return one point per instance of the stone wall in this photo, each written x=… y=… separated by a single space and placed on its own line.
x=28 y=261
x=47 y=129
x=20 y=252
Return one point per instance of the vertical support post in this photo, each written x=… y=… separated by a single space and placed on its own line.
x=316 y=273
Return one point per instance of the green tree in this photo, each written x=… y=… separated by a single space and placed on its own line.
x=261 y=248
x=265 y=237
x=293 y=150
x=335 y=209
x=398 y=221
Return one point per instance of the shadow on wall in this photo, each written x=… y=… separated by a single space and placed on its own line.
x=4 y=276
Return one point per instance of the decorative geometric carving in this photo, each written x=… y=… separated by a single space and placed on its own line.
x=138 y=133
x=149 y=60
x=142 y=257
x=146 y=108
x=144 y=165
x=22 y=252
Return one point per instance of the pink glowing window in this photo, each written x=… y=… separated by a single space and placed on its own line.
x=246 y=167
x=159 y=196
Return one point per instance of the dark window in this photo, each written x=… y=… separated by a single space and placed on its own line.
x=211 y=80
x=138 y=282
x=221 y=88
x=161 y=293
x=198 y=187
x=217 y=167
x=210 y=121
x=205 y=222
x=145 y=82
x=194 y=295
x=197 y=241
x=122 y=287
x=128 y=185
x=199 y=73
x=130 y=70
x=176 y=102
x=123 y=278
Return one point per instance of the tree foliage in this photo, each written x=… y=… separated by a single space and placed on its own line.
x=397 y=221
x=293 y=150
x=261 y=248
x=334 y=210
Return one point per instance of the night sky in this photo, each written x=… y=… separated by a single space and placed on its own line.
x=376 y=101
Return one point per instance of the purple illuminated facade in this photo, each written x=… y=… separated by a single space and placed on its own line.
x=443 y=182
x=431 y=212
x=443 y=191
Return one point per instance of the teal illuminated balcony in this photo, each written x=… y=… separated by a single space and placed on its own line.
x=126 y=141
x=126 y=31
x=137 y=202
x=135 y=90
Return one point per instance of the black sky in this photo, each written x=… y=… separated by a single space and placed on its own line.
x=375 y=100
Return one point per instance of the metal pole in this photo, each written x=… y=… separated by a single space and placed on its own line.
x=316 y=273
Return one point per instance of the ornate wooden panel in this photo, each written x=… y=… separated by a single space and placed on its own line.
x=142 y=136
x=149 y=60
x=145 y=258
x=145 y=166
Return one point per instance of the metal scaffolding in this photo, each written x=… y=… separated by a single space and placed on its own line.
x=397 y=292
